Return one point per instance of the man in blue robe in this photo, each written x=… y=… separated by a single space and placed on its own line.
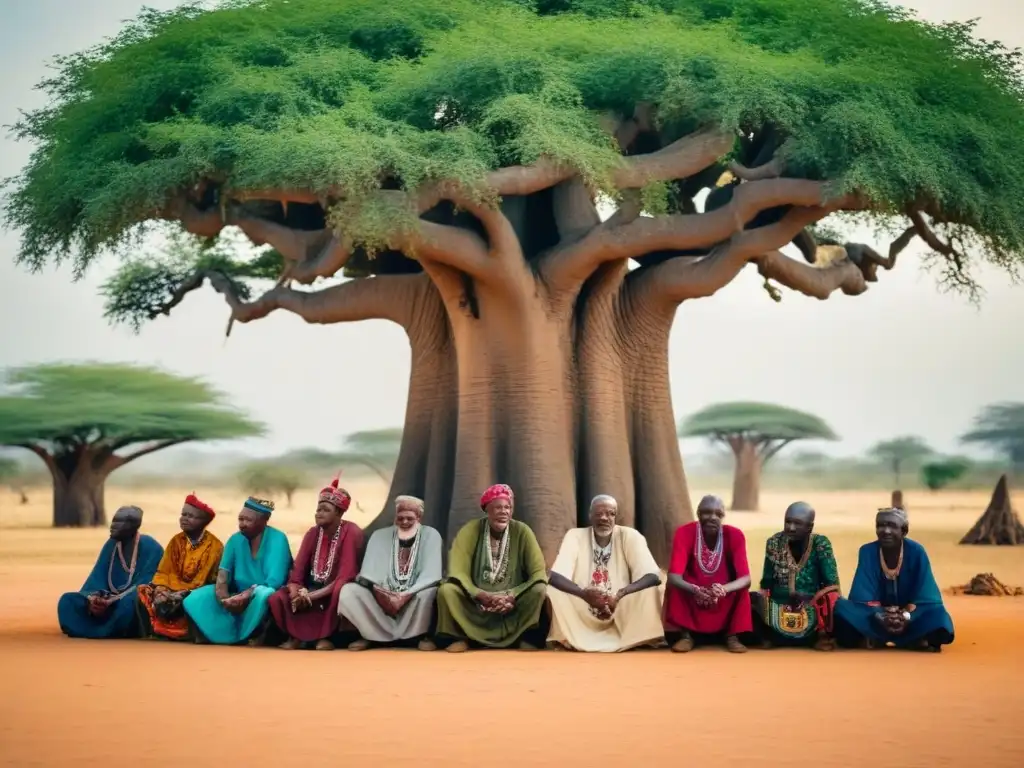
x=105 y=605
x=894 y=598
x=255 y=564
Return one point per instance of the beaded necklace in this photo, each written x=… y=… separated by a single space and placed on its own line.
x=320 y=577
x=891 y=573
x=793 y=567
x=129 y=569
x=400 y=576
x=709 y=560
x=495 y=570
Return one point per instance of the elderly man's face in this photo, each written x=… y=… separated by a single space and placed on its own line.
x=602 y=517
x=710 y=515
x=124 y=524
x=251 y=523
x=406 y=518
x=889 y=528
x=192 y=520
x=499 y=513
x=798 y=526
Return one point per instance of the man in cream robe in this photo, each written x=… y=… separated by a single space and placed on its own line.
x=605 y=587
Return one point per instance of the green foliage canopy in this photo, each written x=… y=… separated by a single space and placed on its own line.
x=1001 y=427
x=358 y=94
x=271 y=478
x=755 y=421
x=900 y=449
x=60 y=406
x=938 y=474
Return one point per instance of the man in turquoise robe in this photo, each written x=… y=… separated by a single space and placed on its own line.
x=894 y=598
x=105 y=605
x=255 y=564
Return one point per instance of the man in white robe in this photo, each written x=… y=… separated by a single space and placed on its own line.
x=392 y=598
x=605 y=587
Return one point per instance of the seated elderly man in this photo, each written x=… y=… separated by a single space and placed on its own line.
x=105 y=605
x=392 y=598
x=604 y=587
x=799 y=585
x=494 y=596
x=708 y=593
x=255 y=564
x=894 y=598
x=189 y=562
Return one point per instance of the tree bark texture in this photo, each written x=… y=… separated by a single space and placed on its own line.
x=78 y=492
x=746 y=483
x=539 y=359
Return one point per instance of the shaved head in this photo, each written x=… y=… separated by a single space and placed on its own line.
x=801 y=509
x=125 y=523
x=711 y=502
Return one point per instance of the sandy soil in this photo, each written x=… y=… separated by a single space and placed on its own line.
x=65 y=702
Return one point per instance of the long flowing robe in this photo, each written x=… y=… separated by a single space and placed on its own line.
x=358 y=605
x=525 y=577
x=816 y=574
x=321 y=620
x=914 y=586
x=731 y=614
x=109 y=576
x=182 y=568
x=637 y=617
x=266 y=572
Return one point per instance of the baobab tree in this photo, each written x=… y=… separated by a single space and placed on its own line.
x=449 y=156
x=86 y=421
x=755 y=433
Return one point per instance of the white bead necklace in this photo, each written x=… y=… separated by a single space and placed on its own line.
x=399 y=577
x=715 y=560
x=320 y=577
x=498 y=566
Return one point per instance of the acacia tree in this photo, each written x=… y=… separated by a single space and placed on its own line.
x=755 y=433
x=85 y=421
x=1001 y=428
x=899 y=451
x=449 y=156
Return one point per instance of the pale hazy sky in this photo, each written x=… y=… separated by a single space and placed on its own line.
x=901 y=359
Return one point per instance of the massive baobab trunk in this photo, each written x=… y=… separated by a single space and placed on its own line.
x=746 y=482
x=539 y=358
x=78 y=499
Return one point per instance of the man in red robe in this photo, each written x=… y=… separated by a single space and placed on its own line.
x=306 y=608
x=708 y=592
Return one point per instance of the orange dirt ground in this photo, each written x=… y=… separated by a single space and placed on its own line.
x=67 y=702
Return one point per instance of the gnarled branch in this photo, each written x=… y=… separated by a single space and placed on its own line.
x=568 y=267
x=114 y=461
x=818 y=282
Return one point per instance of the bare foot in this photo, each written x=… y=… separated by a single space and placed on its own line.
x=426 y=644
x=324 y=645
x=291 y=644
x=359 y=645
x=459 y=646
x=683 y=644
x=824 y=644
x=733 y=645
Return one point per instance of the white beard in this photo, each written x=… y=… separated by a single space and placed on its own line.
x=406 y=535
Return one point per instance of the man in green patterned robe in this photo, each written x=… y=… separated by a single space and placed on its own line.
x=799 y=585
x=494 y=595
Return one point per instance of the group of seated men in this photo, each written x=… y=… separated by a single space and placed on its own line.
x=603 y=593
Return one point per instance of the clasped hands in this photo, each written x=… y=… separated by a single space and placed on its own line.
x=891 y=617
x=99 y=603
x=238 y=603
x=496 y=602
x=390 y=602
x=299 y=598
x=167 y=602
x=708 y=597
x=603 y=603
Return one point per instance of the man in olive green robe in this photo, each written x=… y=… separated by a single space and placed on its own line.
x=497 y=580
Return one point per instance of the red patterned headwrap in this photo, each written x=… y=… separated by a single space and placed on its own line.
x=499 y=491
x=194 y=501
x=339 y=497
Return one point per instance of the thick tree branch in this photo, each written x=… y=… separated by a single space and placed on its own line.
x=42 y=453
x=773 y=169
x=113 y=461
x=818 y=282
x=568 y=267
x=384 y=297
